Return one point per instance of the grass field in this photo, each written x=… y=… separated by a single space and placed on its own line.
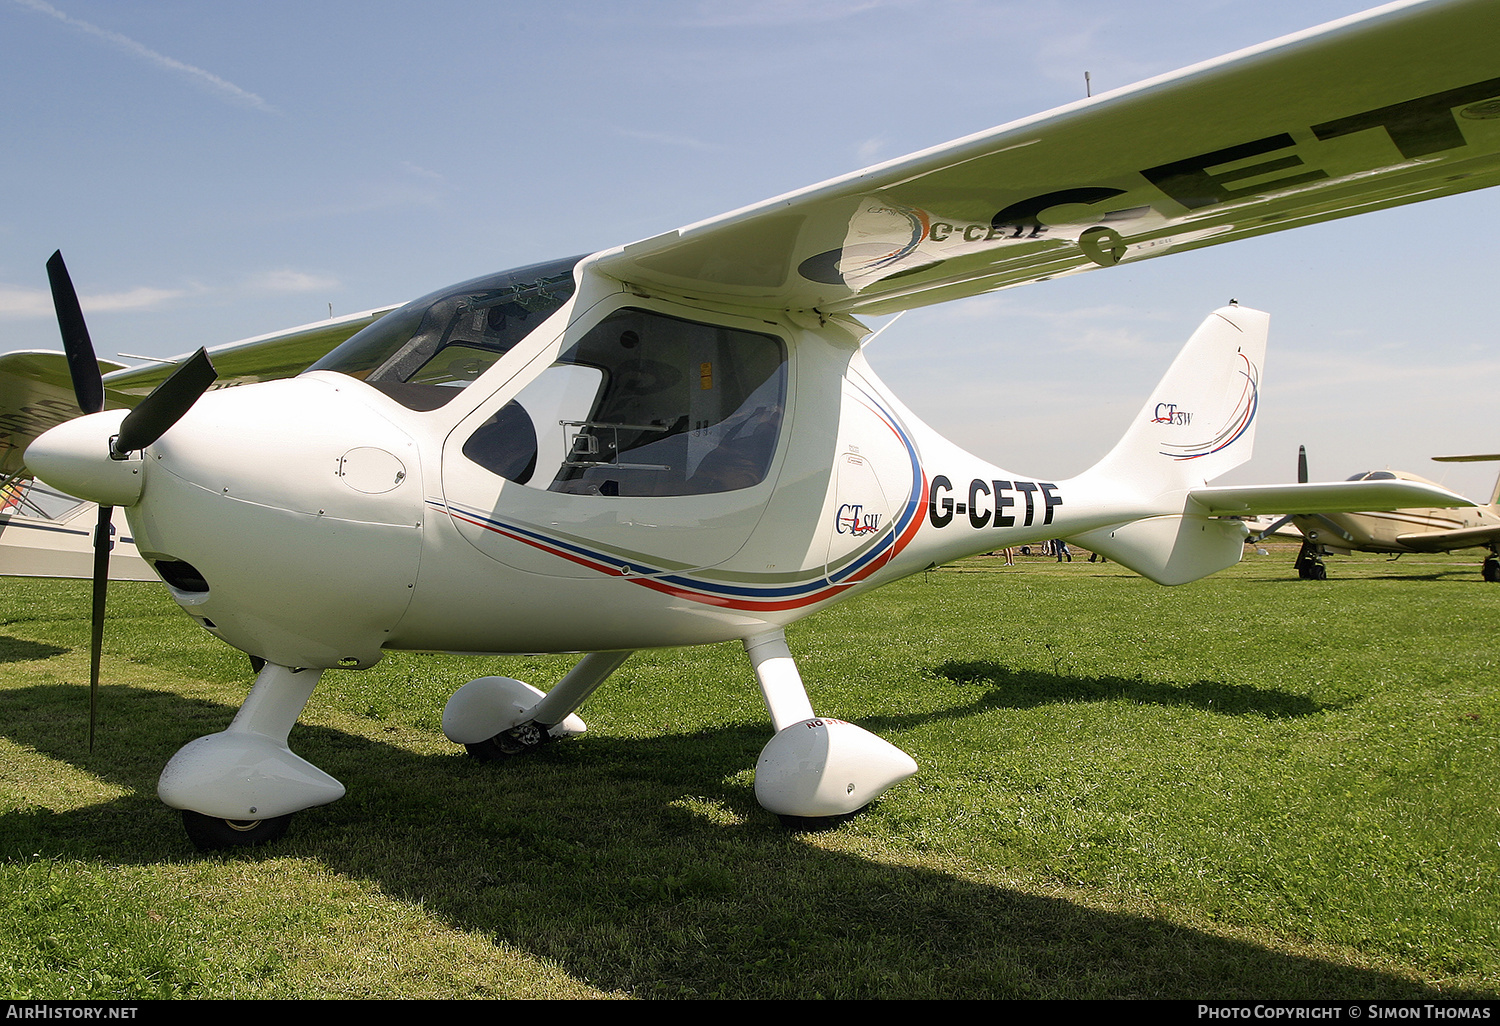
x=1252 y=786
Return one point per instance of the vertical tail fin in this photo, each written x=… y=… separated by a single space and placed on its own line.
x=1198 y=423
x=1200 y=419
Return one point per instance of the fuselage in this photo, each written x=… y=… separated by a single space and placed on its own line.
x=627 y=471
x=1400 y=530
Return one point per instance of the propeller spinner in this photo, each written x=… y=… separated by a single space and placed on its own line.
x=79 y=453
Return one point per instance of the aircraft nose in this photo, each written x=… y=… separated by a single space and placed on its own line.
x=74 y=458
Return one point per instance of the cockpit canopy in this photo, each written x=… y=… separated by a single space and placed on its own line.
x=1368 y=475
x=644 y=404
x=425 y=353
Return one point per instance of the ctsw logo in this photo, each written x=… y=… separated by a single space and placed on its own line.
x=852 y=519
x=998 y=499
x=1168 y=413
x=1241 y=416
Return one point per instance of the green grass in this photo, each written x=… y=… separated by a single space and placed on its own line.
x=1252 y=786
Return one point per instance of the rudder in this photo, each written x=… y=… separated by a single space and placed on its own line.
x=1200 y=419
x=1198 y=423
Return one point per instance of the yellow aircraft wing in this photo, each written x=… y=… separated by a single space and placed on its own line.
x=1443 y=541
x=1398 y=104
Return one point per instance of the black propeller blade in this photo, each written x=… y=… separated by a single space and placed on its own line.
x=88 y=387
x=151 y=419
x=103 y=542
x=166 y=404
x=1301 y=479
x=83 y=365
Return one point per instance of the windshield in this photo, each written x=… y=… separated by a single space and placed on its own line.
x=425 y=353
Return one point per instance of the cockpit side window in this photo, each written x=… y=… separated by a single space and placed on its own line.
x=425 y=353
x=648 y=405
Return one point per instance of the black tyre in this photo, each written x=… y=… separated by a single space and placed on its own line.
x=816 y=824
x=488 y=751
x=210 y=834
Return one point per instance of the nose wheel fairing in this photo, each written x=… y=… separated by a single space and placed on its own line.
x=246 y=773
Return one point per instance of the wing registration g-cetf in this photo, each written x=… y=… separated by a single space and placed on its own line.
x=679 y=441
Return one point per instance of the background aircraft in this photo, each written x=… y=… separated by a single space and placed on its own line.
x=44 y=533
x=679 y=441
x=1398 y=531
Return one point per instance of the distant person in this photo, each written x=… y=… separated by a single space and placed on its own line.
x=1010 y=557
x=1061 y=548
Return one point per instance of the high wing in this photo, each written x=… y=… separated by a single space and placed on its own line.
x=1323 y=497
x=1391 y=106
x=36 y=391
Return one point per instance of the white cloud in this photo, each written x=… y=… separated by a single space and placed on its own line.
x=143 y=298
x=871 y=150
x=17 y=303
x=287 y=280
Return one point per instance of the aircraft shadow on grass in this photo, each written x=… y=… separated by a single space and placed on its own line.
x=1023 y=689
x=535 y=852
x=19 y=650
x=1449 y=573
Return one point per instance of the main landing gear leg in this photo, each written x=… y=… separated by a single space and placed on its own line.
x=240 y=787
x=1491 y=570
x=495 y=717
x=814 y=768
x=1310 y=563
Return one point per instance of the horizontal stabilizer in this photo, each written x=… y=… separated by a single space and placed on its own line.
x=1323 y=497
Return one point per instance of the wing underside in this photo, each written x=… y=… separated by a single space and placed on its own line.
x=1323 y=497
x=1393 y=106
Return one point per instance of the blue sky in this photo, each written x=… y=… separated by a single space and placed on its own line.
x=217 y=171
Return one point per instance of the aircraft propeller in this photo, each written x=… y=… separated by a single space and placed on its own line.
x=150 y=419
x=1301 y=479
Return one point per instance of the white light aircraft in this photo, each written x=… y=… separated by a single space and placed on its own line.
x=679 y=441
